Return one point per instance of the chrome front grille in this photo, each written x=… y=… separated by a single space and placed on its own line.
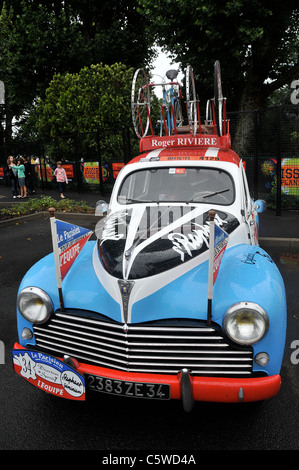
x=157 y=347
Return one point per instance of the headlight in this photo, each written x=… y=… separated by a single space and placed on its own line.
x=246 y=323
x=34 y=304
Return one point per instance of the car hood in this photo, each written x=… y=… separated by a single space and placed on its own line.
x=143 y=241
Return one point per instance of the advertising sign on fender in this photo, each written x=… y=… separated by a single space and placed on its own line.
x=71 y=239
x=217 y=245
x=68 y=241
x=220 y=243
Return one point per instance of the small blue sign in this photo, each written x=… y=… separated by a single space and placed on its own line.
x=68 y=233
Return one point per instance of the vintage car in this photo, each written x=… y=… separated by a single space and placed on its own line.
x=140 y=316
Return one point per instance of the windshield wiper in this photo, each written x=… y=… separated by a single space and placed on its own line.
x=131 y=200
x=210 y=195
x=216 y=192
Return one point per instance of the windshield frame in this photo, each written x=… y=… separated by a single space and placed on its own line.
x=204 y=200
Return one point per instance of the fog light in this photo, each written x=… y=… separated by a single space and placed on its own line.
x=262 y=359
x=26 y=333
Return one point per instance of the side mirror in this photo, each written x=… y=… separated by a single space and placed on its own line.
x=259 y=206
x=101 y=208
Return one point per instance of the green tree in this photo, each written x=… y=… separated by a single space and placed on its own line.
x=113 y=31
x=256 y=42
x=40 y=39
x=97 y=97
x=34 y=44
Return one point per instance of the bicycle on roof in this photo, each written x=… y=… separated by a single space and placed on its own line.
x=171 y=120
x=216 y=107
x=171 y=110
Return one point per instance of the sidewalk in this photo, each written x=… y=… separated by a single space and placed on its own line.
x=91 y=198
x=273 y=228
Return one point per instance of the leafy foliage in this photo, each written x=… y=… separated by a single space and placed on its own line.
x=255 y=41
x=43 y=204
x=97 y=96
x=42 y=39
x=78 y=105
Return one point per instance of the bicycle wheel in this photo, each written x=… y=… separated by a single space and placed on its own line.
x=140 y=103
x=178 y=115
x=218 y=98
x=209 y=112
x=191 y=100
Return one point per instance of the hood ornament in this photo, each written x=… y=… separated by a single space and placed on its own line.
x=125 y=288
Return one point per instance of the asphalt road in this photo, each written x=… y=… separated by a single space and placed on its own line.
x=33 y=420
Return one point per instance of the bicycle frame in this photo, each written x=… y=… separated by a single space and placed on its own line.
x=171 y=97
x=171 y=114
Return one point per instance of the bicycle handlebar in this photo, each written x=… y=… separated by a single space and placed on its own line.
x=162 y=84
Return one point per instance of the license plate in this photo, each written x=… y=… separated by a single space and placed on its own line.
x=128 y=389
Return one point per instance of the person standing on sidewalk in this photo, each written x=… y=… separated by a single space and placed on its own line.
x=61 y=178
x=28 y=175
x=20 y=168
x=12 y=176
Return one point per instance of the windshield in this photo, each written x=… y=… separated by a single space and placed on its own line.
x=201 y=185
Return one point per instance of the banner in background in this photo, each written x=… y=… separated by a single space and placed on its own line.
x=91 y=172
x=46 y=174
x=110 y=171
x=290 y=176
x=69 y=169
x=116 y=167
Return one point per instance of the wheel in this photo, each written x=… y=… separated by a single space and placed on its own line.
x=218 y=98
x=140 y=103
x=209 y=112
x=191 y=100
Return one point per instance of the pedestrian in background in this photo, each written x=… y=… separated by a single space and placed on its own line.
x=20 y=168
x=28 y=175
x=61 y=178
x=12 y=176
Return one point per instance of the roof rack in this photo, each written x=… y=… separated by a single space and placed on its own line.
x=171 y=131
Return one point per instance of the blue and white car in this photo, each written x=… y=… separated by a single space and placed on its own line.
x=135 y=318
